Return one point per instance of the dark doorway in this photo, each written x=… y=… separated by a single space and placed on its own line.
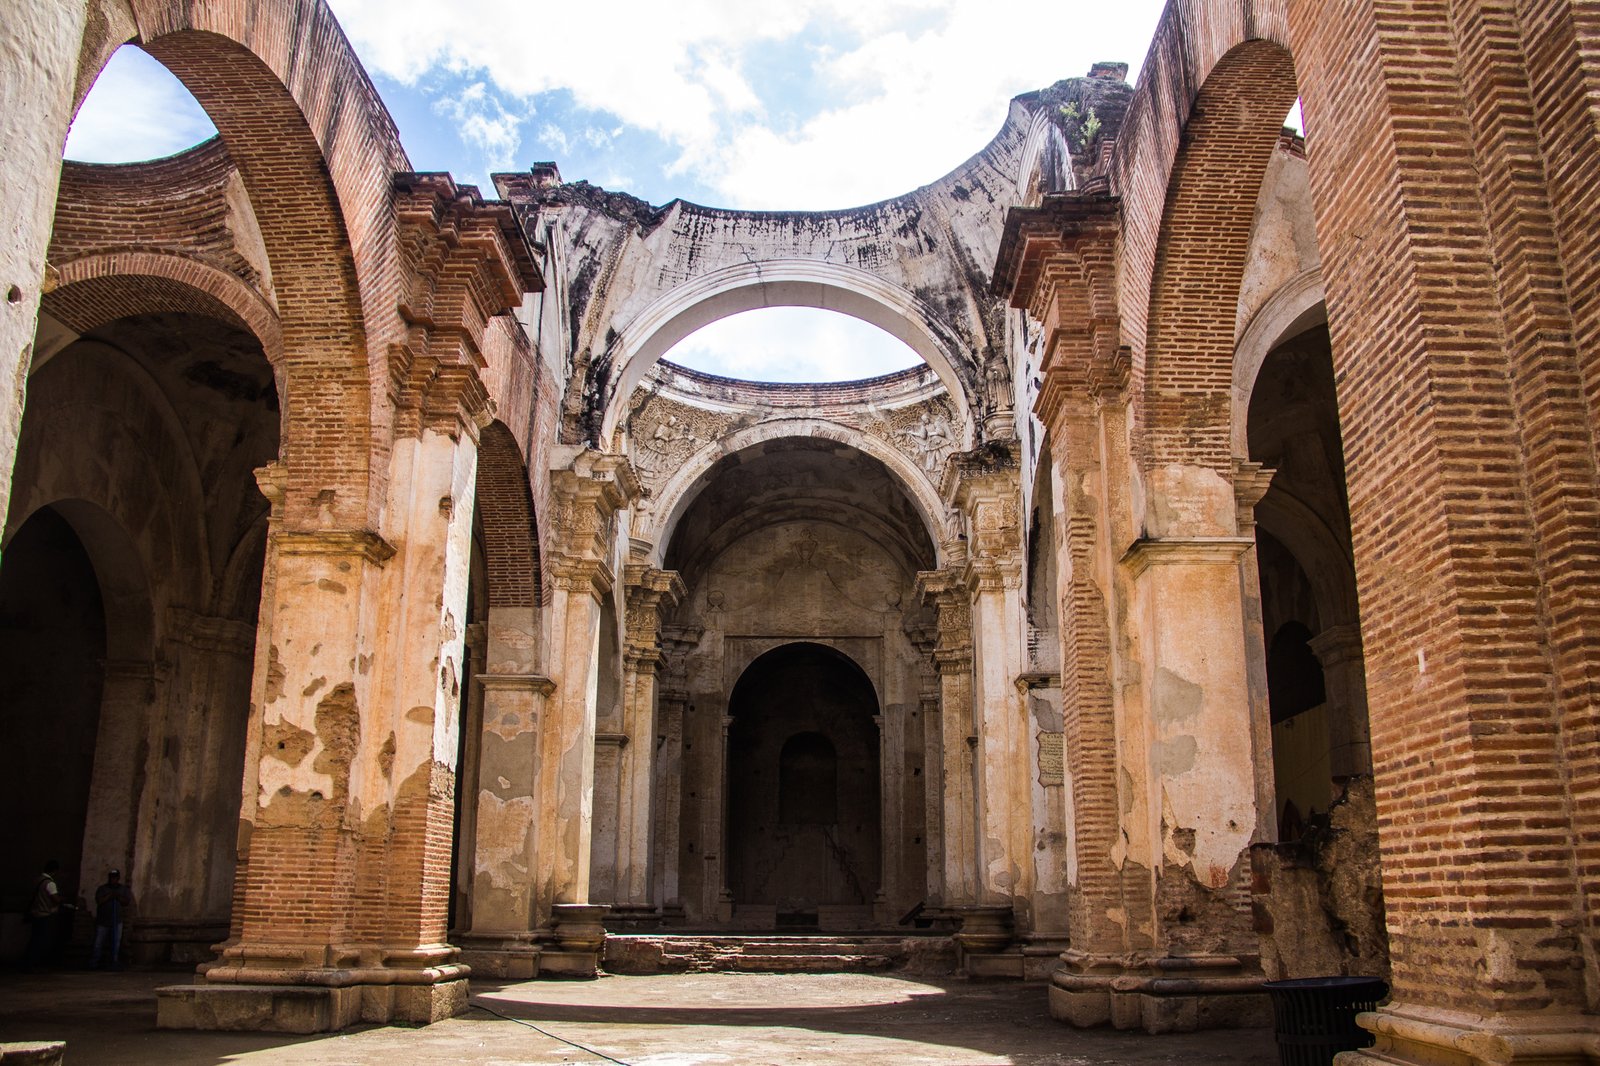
x=803 y=795
x=52 y=645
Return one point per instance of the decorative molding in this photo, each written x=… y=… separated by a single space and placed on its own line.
x=1145 y=553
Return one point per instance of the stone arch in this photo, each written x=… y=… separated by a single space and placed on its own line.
x=1308 y=538
x=1185 y=371
x=316 y=151
x=657 y=526
x=119 y=568
x=1046 y=163
x=1294 y=308
x=779 y=283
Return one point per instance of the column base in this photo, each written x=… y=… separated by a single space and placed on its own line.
x=1165 y=995
x=306 y=1008
x=1418 y=1036
x=502 y=956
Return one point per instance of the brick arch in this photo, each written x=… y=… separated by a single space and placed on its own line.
x=509 y=527
x=93 y=290
x=316 y=151
x=1184 y=374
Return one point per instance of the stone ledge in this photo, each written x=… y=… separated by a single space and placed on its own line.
x=33 y=1053
x=305 y=1009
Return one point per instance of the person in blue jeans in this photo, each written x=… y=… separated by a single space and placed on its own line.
x=111 y=903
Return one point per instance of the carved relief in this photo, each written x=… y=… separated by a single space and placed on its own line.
x=665 y=434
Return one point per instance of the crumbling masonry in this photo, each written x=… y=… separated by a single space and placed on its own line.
x=1218 y=602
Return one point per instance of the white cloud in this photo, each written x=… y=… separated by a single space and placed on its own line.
x=910 y=103
x=793 y=344
x=137 y=110
x=484 y=123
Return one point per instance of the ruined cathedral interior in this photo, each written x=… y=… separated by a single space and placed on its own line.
x=1215 y=603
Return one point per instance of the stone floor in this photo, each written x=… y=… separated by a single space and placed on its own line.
x=671 y=1020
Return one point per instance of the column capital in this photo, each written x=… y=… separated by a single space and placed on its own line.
x=1250 y=483
x=983 y=487
x=587 y=490
x=648 y=593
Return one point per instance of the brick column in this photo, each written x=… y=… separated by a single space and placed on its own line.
x=649 y=592
x=586 y=491
x=1161 y=764
x=1455 y=167
x=925 y=639
x=350 y=773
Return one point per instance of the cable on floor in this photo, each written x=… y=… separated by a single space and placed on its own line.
x=544 y=1032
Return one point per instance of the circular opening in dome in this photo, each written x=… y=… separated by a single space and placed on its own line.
x=793 y=345
x=137 y=111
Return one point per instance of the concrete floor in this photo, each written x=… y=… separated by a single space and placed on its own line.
x=676 y=1020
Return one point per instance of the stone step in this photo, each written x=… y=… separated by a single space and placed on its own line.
x=644 y=953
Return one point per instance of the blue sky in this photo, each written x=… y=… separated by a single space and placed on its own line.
x=811 y=104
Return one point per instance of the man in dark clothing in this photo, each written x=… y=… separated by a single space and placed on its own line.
x=43 y=908
x=111 y=903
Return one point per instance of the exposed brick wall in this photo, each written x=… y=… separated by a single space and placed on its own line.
x=1191 y=38
x=510 y=533
x=177 y=205
x=1471 y=486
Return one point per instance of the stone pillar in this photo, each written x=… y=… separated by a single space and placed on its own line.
x=958 y=807
x=925 y=639
x=127 y=712
x=1158 y=741
x=649 y=593
x=676 y=642
x=38 y=74
x=586 y=491
x=184 y=855
x=1250 y=484
x=1344 y=676
x=1459 y=259
x=984 y=488
x=717 y=869
x=501 y=941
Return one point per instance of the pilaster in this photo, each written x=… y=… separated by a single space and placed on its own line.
x=586 y=491
x=649 y=594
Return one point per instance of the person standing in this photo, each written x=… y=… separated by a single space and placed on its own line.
x=111 y=903
x=44 y=908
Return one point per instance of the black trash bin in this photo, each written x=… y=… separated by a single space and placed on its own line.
x=1315 y=1017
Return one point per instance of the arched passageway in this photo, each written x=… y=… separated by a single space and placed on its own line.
x=803 y=787
x=789 y=663
x=132 y=575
